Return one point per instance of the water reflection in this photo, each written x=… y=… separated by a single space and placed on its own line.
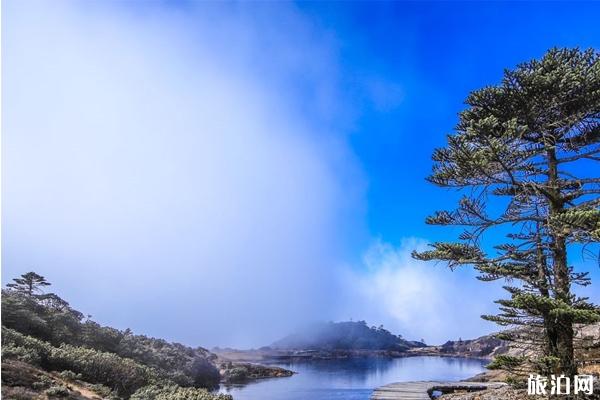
x=353 y=379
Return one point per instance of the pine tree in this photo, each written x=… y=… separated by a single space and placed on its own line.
x=29 y=283
x=526 y=154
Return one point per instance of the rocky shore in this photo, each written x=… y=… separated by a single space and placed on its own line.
x=275 y=355
x=511 y=393
x=486 y=347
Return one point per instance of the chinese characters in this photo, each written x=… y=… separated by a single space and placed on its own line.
x=538 y=385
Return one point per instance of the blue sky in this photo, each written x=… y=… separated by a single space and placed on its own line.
x=435 y=53
x=220 y=173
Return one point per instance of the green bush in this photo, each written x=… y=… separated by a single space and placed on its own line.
x=39 y=385
x=100 y=389
x=51 y=320
x=57 y=391
x=43 y=330
x=184 y=365
x=70 y=375
x=44 y=382
x=122 y=374
x=47 y=316
x=237 y=374
x=36 y=350
x=174 y=392
x=30 y=356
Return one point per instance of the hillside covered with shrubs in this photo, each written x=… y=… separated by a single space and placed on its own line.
x=350 y=335
x=42 y=332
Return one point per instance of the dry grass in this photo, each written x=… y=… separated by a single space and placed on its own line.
x=21 y=393
x=593 y=369
x=18 y=380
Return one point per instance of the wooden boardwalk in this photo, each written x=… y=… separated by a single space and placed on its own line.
x=420 y=390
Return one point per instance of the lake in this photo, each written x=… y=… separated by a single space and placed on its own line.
x=352 y=379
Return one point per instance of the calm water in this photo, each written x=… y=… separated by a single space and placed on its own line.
x=353 y=379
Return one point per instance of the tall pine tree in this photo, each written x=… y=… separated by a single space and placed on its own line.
x=29 y=283
x=526 y=154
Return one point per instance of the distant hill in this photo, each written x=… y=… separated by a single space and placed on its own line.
x=345 y=336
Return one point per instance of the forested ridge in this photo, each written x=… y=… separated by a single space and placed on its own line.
x=42 y=330
x=348 y=335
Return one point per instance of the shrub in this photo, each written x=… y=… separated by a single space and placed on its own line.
x=39 y=385
x=37 y=350
x=184 y=365
x=47 y=316
x=203 y=373
x=51 y=321
x=100 y=389
x=237 y=374
x=122 y=374
x=57 y=391
x=181 y=378
x=23 y=314
x=174 y=392
x=19 y=393
x=44 y=382
x=70 y=375
x=10 y=351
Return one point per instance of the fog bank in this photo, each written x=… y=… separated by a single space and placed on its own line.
x=176 y=169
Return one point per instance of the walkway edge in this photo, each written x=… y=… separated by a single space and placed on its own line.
x=419 y=390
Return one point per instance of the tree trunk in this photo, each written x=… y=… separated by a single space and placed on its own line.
x=550 y=329
x=564 y=323
x=560 y=270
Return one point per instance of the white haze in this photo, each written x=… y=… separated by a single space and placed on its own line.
x=420 y=300
x=182 y=169
x=159 y=170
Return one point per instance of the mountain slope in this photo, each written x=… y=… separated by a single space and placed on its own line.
x=344 y=336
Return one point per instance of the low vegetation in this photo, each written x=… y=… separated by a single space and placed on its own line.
x=242 y=372
x=41 y=332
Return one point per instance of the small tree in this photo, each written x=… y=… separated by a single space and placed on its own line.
x=29 y=284
x=533 y=144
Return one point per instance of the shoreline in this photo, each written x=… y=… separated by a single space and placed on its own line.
x=252 y=367
x=415 y=388
x=263 y=356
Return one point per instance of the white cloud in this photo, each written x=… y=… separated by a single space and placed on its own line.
x=419 y=299
x=186 y=174
x=161 y=170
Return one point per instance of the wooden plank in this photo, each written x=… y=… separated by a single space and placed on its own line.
x=418 y=390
